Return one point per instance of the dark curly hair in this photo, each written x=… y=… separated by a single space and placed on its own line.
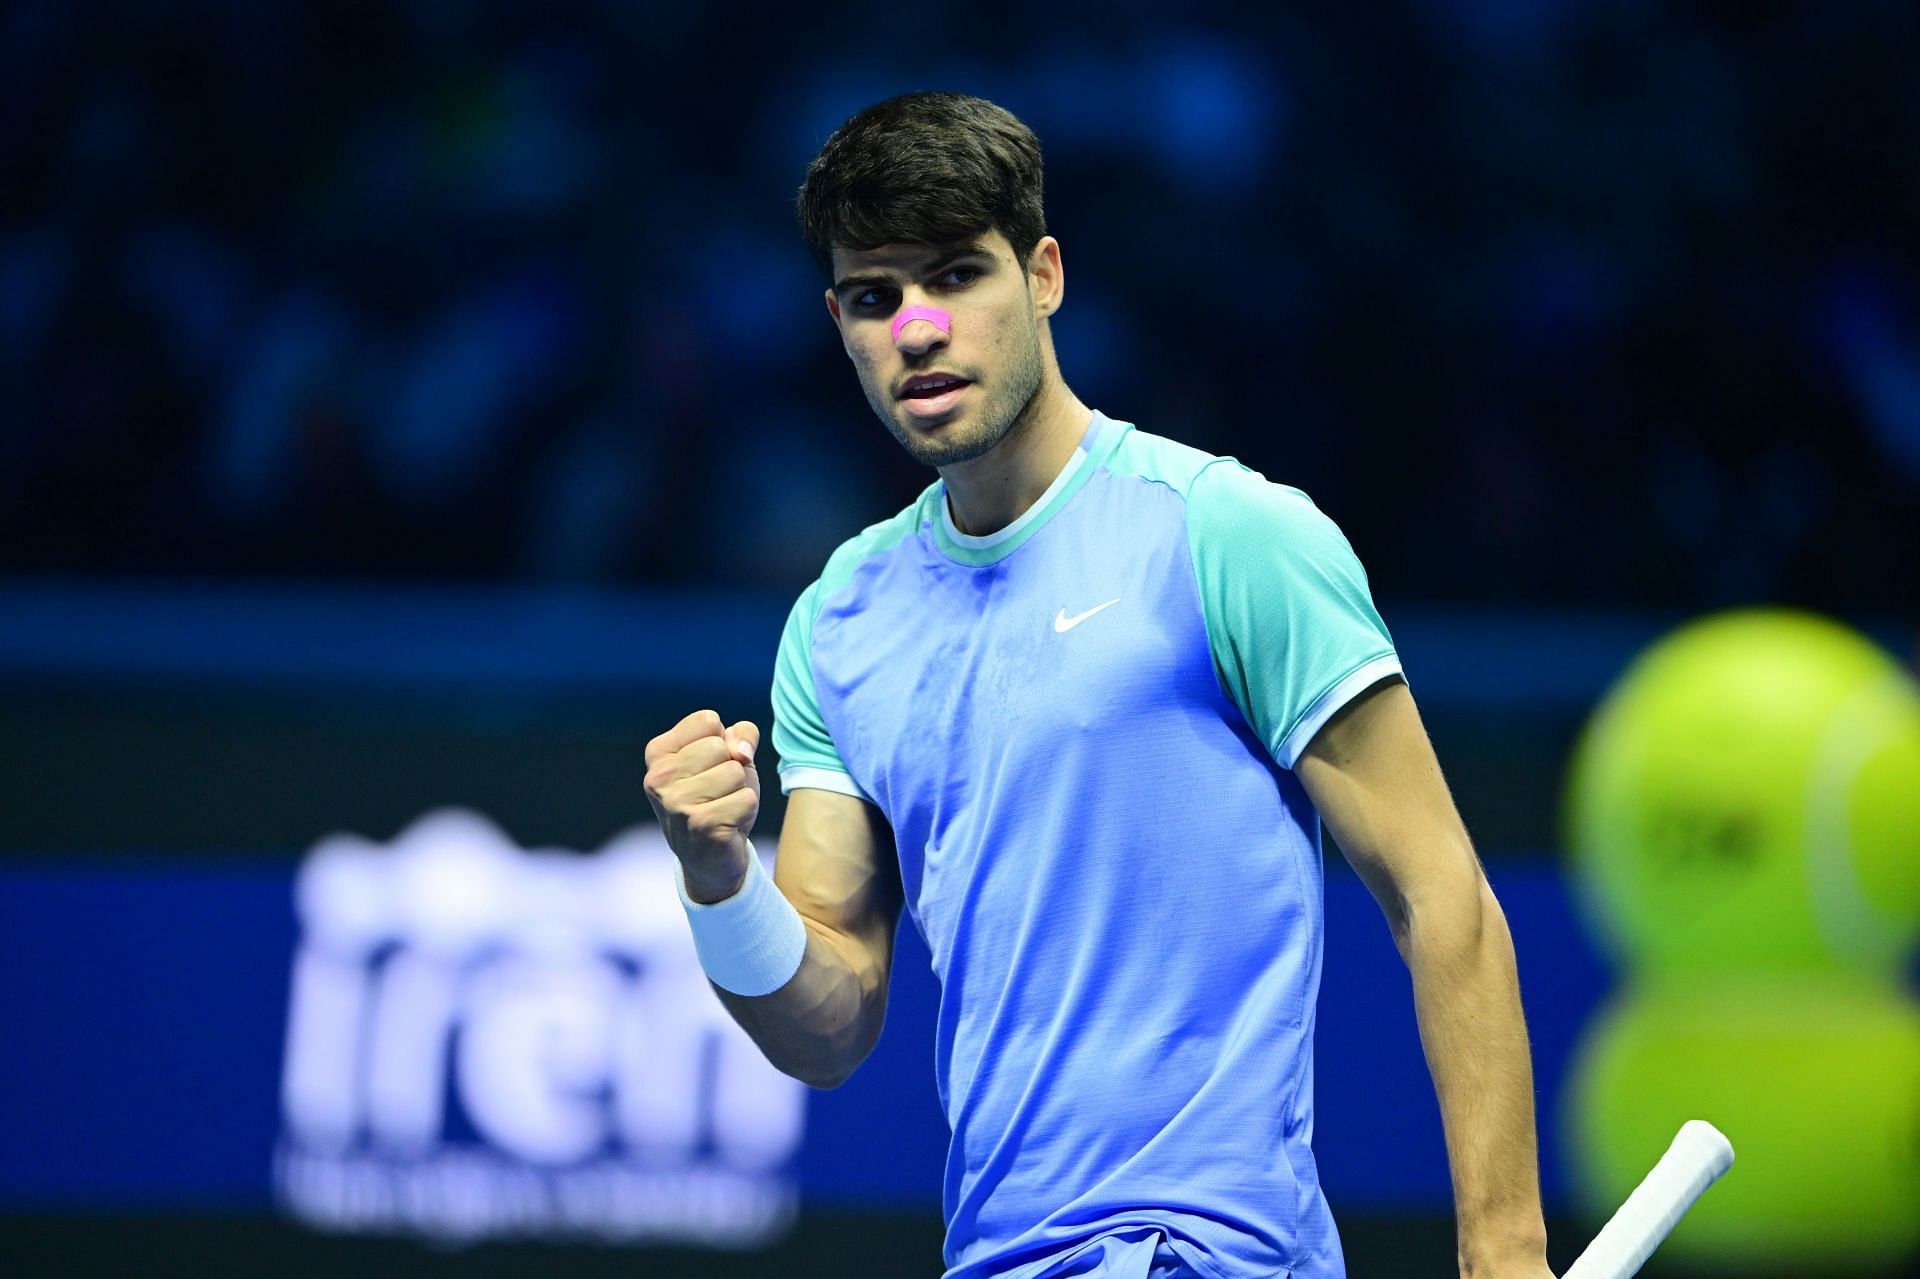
x=924 y=168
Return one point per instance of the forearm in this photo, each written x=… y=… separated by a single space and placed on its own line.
x=1467 y=997
x=833 y=902
x=824 y=1021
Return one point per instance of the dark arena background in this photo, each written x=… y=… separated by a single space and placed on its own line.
x=409 y=409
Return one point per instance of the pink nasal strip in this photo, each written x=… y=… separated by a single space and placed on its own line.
x=931 y=314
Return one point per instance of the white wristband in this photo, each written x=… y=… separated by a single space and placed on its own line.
x=752 y=942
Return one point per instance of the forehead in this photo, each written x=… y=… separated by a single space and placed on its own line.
x=910 y=259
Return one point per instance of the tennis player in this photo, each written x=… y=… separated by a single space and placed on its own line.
x=1081 y=708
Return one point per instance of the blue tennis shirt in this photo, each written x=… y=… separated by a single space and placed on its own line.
x=1081 y=730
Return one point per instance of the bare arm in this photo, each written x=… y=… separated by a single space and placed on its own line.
x=836 y=868
x=1372 y=775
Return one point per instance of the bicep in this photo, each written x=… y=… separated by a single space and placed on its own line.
x=1376 y=783
x=837 y=867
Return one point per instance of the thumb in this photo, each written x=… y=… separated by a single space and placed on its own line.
x=743 y=739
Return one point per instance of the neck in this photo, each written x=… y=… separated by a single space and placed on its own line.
x=996 y=488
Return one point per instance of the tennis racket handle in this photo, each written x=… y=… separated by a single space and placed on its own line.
x=1695 y=1160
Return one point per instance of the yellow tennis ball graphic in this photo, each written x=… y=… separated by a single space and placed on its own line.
x=1747 y=796
x=1817 y=1085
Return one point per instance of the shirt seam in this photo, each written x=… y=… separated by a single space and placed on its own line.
x=1094 y=450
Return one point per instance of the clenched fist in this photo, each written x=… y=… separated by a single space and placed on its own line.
x=704 y=788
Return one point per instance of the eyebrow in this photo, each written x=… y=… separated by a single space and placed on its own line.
x=946 y=258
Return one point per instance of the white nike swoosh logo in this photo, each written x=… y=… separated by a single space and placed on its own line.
x=1062 y=623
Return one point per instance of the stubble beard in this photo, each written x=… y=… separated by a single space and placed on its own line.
x=1005 y=409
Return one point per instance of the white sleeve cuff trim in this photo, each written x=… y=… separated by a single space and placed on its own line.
x=801 y=777
x=1330 y=703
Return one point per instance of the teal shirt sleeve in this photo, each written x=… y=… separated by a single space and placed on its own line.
x=1293 y=629
x=808 y=757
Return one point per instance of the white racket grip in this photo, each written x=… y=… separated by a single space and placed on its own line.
x=1695 y=1160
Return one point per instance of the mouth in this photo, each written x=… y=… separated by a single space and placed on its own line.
x=932 y=394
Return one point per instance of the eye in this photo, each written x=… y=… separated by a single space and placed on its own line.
x=960 y=277
x=873 y=300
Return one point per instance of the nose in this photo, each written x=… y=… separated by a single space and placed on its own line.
x=919 y=329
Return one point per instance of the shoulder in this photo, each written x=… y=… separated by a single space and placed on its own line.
x=1160 y=460
x=1225 y=497
x=870 y=542
x=1231 y=499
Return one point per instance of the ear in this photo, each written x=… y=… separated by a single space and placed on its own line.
x=1048 y=276
x=833 y=309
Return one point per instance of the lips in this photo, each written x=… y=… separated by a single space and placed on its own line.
x=931 y=385
x=931 y=396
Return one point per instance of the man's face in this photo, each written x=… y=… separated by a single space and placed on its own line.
x=947 y=397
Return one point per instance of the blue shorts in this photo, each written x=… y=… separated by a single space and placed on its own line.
x=1126 y=1254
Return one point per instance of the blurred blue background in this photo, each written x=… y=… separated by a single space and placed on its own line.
x=425 y=403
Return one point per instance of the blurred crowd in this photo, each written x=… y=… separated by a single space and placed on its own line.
x=1547 y=303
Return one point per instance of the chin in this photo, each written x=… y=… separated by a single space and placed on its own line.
x=969 y=433
x=952 y=446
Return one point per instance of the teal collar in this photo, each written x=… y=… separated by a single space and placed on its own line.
x=989 y=548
